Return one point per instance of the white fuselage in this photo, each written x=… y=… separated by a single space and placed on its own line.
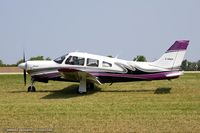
x=89 y=68
x=89 y=63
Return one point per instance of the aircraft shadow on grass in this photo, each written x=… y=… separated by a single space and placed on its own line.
x=68 y=92
x=162 y=90
x=71 y=92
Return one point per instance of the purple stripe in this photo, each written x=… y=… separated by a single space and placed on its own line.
x=49 y=75
x=179 y=45
x=68 y=70
x=161 y=75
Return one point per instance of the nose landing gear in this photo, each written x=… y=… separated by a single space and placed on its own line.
x=32 y=88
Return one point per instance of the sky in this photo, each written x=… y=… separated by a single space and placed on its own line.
x=123 y=28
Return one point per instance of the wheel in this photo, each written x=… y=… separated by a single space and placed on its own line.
x=31 y=89
x=90 y=86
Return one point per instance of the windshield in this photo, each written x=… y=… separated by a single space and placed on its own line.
x=59 y=60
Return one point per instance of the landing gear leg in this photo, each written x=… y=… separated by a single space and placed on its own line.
x=32 y=88
x=82 y=87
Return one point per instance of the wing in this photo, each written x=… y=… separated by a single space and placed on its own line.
x=75 y=75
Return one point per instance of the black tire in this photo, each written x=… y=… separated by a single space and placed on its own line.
x=90 y=86
x=31 y=89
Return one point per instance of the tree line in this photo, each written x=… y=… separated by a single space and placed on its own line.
x=190 y=66
x=21 y=61
x=186 y=65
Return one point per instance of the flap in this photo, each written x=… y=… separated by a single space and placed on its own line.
x=74 y=74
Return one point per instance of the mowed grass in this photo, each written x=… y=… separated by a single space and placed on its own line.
x=156 y=106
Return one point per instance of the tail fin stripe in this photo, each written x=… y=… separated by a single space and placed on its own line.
x=179 y=45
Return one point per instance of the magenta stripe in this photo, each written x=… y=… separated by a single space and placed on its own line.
x=179 y=45
x=49 y=75
x=141 y=76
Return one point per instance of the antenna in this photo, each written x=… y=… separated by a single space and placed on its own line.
x=116 y=56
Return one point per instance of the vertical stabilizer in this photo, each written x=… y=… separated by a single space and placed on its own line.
x=173 y=57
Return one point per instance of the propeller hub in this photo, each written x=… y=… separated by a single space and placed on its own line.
x=22 y=66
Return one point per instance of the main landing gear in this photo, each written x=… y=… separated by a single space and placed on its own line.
x=32 y=88
x=84 y=89
x=84 y=86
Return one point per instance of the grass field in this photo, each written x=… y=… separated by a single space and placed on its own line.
x=157 y=106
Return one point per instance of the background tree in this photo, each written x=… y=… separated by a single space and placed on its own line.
x=198 y=64
x=192 y=66
x=19 y=62
x=33 y=58
x=140 y=58
x=1 y=63
x=37 y=58
x=110 y=56
x=48 y=58
x=184 y=65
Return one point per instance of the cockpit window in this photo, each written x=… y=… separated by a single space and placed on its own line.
x=75 y=60
x=59 y=60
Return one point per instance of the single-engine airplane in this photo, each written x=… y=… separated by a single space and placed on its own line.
x=90 y=69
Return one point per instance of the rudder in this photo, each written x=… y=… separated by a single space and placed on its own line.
x=174 y=56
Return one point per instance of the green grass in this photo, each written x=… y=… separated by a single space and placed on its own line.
x=122 y=107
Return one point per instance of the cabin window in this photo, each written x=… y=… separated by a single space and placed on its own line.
x=106 y=64
x=75 y=60
x=92 y=62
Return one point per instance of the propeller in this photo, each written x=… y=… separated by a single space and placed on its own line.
x=24 y=60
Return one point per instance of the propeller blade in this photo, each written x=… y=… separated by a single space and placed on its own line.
x=24 y=60
x=24 y=77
